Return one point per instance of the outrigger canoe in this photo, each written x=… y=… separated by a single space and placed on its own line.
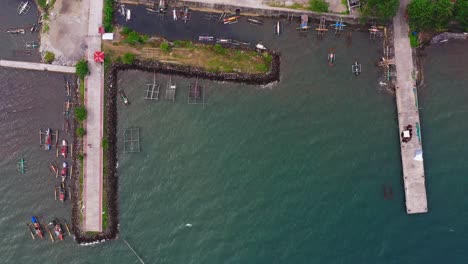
x=64 y=148
x=48 y=139
x=64 y=171
x=37 y=227
x=57 y=229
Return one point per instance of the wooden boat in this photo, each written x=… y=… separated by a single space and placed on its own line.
x=231 y=19
x=21 y=166
x=15 y=31
x=162 y=6
x=331 y=57
x=64 y=149
x=260 y=47
x=48 y=139
x=23 y=7
x=304 y=23
x=124 y=98
x=278 y=28
x=254 y=21
x=53 y=168
x=64 y=171
x=174 y=14
x=356 y=68
x=205 y=38
x=57 y=227
x=37 y=227
x=62 y=192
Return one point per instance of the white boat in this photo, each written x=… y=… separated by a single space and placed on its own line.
x=278 y=28
x=260 y=46
x=15 y=31
x=127 y=18
x=174 y=14
x=23 y=8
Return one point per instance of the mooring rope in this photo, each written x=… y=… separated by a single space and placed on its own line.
x=142 y=262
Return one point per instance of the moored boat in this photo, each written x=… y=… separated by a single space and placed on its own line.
x=124 y=98
x=255 y=21
x=331 y=57
x=278 y=28
x=48 y=139
x=15 y=31
x=37 y=227
x=57 y=229
x=62 y=192
x=231 y=19
x=64 y=148
x=64 y=171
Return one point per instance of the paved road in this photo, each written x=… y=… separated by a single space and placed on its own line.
x=408 y=114
x=36 y=66
x=94 y=97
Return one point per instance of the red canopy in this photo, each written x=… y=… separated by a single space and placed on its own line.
x=101 y=30
x=99 y=56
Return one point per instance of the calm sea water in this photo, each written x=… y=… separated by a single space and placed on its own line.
x=288 y=173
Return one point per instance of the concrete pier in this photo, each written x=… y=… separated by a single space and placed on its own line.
x=408 y=114
x=36 y=66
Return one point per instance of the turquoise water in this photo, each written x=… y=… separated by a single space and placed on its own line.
x=288 y=173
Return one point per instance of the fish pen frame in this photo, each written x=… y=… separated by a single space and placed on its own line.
x=192 y=95
x=171 y=90
x=131 y=138
x=152 y=90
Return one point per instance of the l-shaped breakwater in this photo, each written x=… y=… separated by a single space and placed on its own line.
x=111 y=89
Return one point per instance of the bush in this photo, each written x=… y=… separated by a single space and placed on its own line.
x=126 y=31
x=105 y=144
x=218 y=49
x=49 y=57
x=133 y=38
x=80 y=157
x=461 y=13
x=45 y=28
x=128 y=58
x=385 y=10
x=165 y=47
x=80 y=131
x=42 y=4
x=318 y=5
x=82 y=68
x=81 y=113
x=108 y=15
x=427 y=14
x=413 y=40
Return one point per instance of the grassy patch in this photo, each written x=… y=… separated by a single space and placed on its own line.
x=82 y=91
x=45 y=28
x=413 y=41
x=293 y=6
x=213 y=58
x=108 y=18
x=318 y=5
x=49 y=57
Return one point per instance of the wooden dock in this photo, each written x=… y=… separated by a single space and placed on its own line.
x=408 y=114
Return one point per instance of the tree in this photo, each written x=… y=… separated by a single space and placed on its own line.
x=318 y=5
x=443 y=12
x=420 y=13
x=461 y=12
x=82 y=68
x=81 y=113
x=128 y=58
x=385 y=10
x=49 y=57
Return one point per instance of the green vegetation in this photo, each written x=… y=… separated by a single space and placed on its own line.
x=128 y=58
x=413 y=40
x=49 y=57
x=165 y=47
x=82 y=91
x=105 y=143
x=132 y=37
x=81 y=113
x=318 y=5
x=184 y=44
x=82 y=69
x=461 y=13
x=80 y=132
x=384 y=10
x=293 y=6
x=108 y=15
x=80 y=157
x=427 y=14
x=218 y=49
x=45 y=28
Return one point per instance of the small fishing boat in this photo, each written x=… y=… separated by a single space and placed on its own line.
x=331 y=57
x=55 y=224
x=254 y=21
x=48 y=139
x=22 y=166
x=356 y=68
x=151 y=10
x=162 y=6
x=231 y=19
x=174 y=14
x=64 y=149
x=64 y=171
x=124 y=98
x=304 y=23
x=128 y=16
x=23 y=7
x=37 y=227
x=278 y=28
x=33 y=28
x=260 y=47
x=15 y=31
x=373 y=29
x=186 y=14
x=205 y=38
x=223 y=41
x=122 y=9
x=62 y=192
x=53 y=168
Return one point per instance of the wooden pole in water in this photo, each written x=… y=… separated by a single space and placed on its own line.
x=50 y=234
x=56 y=137
x=55 y=193
x=68 y=229
x=40 y=138
x=30 y=232
x=71 y=172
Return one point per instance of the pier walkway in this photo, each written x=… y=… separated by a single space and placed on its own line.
x=408 y=114
x=36 y=66
x=94 y=101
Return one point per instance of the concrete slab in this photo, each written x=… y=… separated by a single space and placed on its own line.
x=36 y=66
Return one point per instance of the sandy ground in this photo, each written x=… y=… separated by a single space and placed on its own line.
x=68 y=23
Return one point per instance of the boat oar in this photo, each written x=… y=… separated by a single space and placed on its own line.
x=30 y=232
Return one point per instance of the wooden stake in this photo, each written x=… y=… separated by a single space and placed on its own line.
x=68 y=229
